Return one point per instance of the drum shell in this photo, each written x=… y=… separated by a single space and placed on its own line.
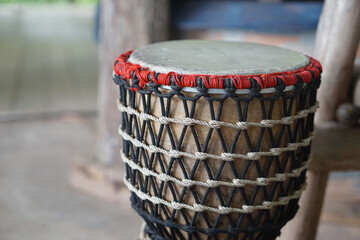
x=226 y=107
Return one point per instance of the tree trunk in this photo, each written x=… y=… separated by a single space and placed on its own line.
x=124 y=25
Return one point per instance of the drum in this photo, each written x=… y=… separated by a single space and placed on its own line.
x=216 y=136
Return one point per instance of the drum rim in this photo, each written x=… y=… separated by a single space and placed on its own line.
x=129 y=71
x=223 y=91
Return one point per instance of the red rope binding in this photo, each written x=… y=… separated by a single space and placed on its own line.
x=125 y=69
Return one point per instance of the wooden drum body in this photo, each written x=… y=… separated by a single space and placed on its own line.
x=216 y=152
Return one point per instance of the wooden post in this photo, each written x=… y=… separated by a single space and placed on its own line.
x=124 y=25
x=335 y=148
x=336 y=41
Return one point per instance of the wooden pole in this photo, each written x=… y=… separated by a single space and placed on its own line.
x=336 y=41
x=337 y=38
x=304 y=225
x=124 y=25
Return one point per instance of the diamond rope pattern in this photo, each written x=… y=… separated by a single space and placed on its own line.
x=201 y=196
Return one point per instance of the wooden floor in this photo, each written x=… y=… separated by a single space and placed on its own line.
x=48 y=59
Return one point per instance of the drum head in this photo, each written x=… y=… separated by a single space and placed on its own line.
x=208 y=57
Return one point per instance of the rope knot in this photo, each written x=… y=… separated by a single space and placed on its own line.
x=267 y=123
x=267 y=204
x=199 y=207
x=224 y=210
x=288 y=120
x=242 y=125
x=227 y=156
x=142 y=115
x=164 y=177
x=163 y=120
x=294 y=146
x=238 y=182
x=187 y=182
x=201 y=155
x=214 y=124
x=248 y=208
x=153 y=149
x=212 y=183
x=175 y=153
x=262 y=181
x=281 y=176
x=176 y=205
x=253 y=156
x=275 y=151
x=188 y=121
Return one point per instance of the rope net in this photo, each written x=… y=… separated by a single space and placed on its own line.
x=215 y=166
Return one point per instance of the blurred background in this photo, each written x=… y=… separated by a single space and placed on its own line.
x=60 y=173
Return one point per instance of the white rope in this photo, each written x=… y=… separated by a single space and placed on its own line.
x=221 y=209
x=224 y=156
x=279 y=177
x=266 y=123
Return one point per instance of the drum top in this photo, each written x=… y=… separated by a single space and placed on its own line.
x=208 y=57
x=204 y=64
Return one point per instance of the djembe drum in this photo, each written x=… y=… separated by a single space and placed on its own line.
x=216 y=136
